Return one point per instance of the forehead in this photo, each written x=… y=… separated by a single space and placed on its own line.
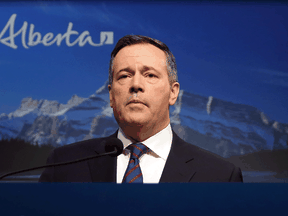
x=143 y=54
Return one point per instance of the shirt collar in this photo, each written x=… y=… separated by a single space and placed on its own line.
x=160 y=143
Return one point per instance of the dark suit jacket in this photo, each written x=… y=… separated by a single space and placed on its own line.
x=185 y=163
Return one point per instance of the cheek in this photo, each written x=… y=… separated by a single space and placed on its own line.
x=162 y=93
x=119 y=100
x=160 y=99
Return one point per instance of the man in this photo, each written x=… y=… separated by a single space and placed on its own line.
x=142 y=86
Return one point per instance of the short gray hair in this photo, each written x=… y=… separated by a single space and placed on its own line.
x=139 y=39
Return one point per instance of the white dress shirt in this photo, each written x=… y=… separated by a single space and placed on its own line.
x=152 y=163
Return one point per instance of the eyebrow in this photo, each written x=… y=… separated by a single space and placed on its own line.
x=143 y=69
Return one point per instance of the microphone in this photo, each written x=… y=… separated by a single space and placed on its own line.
x=113 y=147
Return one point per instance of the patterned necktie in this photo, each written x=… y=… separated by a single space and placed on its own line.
x=133 y=173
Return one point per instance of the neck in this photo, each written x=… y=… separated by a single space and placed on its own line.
x=141 y=133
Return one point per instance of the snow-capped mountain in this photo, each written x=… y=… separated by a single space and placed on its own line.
x=226 y=128
x=219 y=126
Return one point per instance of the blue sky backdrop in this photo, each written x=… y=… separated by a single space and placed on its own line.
x=235 y=52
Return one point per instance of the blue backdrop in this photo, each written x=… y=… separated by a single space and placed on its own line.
x=231 y=58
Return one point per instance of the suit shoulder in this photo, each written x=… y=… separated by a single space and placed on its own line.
x=84 y=144
x=210 y=157
x=204 y=156
x=80 y=149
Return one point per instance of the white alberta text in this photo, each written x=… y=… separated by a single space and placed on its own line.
x=35 y=38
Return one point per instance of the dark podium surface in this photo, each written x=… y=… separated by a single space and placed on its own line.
x=148 y=199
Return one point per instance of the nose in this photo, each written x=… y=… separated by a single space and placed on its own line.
x=137 y=83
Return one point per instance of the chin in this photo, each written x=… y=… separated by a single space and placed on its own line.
x=136 y=121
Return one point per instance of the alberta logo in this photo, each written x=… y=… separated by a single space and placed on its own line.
x=35 y=38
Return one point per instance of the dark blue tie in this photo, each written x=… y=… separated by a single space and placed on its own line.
x=133 y=173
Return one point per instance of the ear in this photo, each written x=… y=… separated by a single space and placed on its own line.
x=110 y=95
x=175 y=87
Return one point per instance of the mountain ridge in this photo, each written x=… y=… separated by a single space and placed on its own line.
x=219 y=126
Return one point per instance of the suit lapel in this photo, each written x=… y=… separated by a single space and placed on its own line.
x=179 y=164
x=178 y=167
x=103 y=169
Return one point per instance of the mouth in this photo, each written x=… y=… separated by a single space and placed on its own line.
x=136 y=102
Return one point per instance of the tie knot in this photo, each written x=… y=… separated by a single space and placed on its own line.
x=137 y=150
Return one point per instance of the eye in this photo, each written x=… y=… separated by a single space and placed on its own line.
x=123 y=76
x=151 y=78
x=152 y=75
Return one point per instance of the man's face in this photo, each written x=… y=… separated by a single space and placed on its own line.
x=140 y=94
